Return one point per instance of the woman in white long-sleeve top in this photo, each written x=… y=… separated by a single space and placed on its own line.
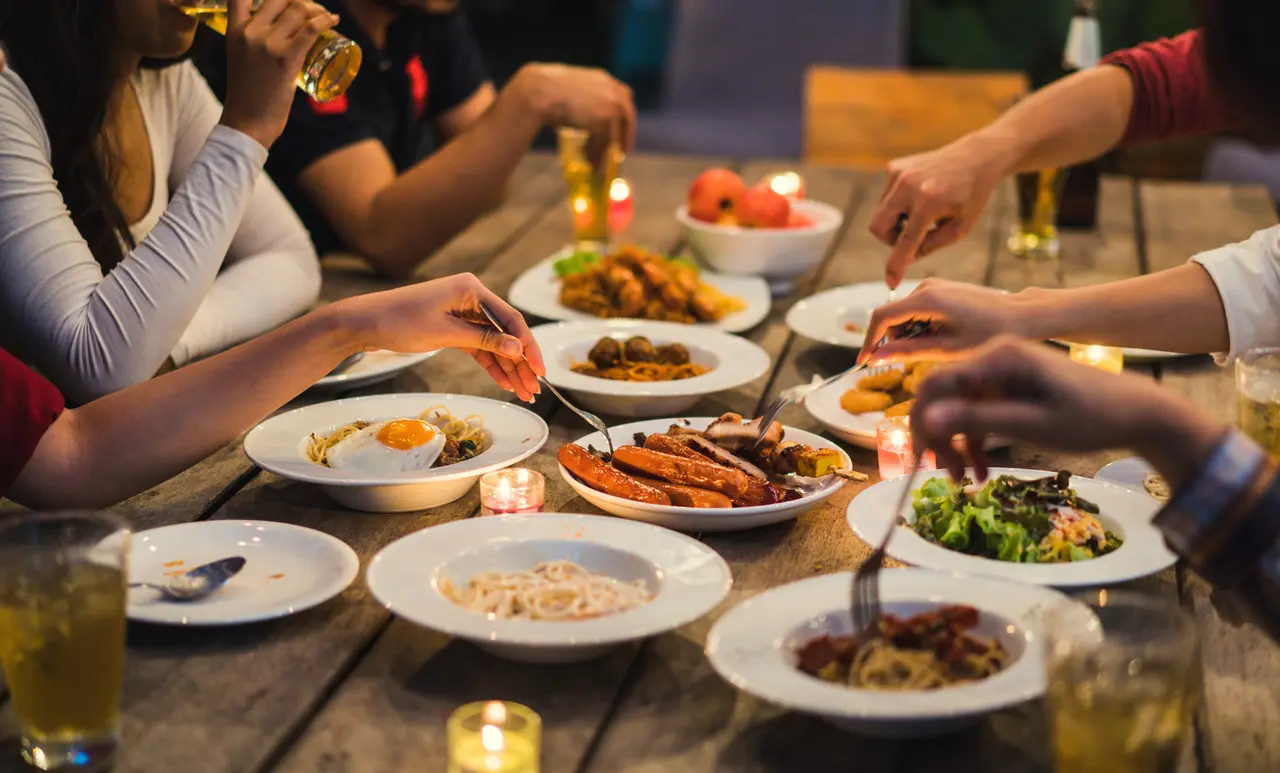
x=137 y=229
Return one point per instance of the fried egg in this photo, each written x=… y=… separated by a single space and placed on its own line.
x=399 y=445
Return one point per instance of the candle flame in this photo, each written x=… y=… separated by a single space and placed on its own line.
x=1096 y=353
x=494 y=712
x=491 y=739
x=502 y=491
x=898 y=438
x=619 y=190
x=581 y=204
x=493 y=763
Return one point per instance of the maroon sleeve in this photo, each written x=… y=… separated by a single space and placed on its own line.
x=28 y=407
x=1172 y=93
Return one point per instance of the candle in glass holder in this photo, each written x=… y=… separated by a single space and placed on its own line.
x=895 y=450
x=494 y=737
x=789 y=184
x=621 y=205
x=1108 y=358
x=514 y=490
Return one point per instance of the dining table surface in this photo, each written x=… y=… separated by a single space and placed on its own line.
x=346 y=686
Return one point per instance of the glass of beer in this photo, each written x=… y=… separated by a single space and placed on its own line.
x=590 y=165
x=1039 y=194
x=1121 y=693
x=1258 y=397
x=330 y=66
x=62 y=631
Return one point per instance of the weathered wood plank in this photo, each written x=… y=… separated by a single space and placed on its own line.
x=1184 y=218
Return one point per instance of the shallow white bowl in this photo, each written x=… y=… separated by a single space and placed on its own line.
x=773 y=253
x=754 y=648
x=1124 y=511
x=693 y=518
x=732 y=360
x=687 y=579
x=279 y=445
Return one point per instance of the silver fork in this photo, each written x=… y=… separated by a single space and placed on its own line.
x=865 y=603
x=799 y=392
x=588 y=417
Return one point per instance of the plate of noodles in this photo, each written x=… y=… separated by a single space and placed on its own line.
x=796 y=646
x=635 y=283
x=1029 y=526
x=396 y=452
x=547 y=587
x=636 y=368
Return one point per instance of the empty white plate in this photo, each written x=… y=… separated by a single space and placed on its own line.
x=287 y=569
x=839 y=316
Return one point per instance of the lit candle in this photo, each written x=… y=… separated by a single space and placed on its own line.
x=583 y=212
x=895 y=451
x=621 y=205
x=515 y=490
x=494 y=737
x=1108 y=358
x=789 y=184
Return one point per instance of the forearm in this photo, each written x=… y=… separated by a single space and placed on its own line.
x=129 y=441
x=1178 y=310
x=1073 y=120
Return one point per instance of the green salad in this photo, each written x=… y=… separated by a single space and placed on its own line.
x=1040 y=521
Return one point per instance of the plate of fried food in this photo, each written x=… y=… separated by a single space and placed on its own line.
x=631 y=282
x=705 y=473
x=640 y=369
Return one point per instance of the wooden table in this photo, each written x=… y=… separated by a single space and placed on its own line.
x=345 y=687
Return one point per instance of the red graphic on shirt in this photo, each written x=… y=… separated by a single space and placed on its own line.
x=335 y=106
x=417 y=84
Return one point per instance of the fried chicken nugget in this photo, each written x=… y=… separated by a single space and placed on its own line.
x=882 y=382
x=901 y=409
x=855 y=401
x=916 y=375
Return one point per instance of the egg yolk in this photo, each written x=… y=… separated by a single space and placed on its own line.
x=403 y=434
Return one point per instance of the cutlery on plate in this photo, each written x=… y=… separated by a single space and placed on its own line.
x=346 y=364
x=197 y=583
x=865 y=603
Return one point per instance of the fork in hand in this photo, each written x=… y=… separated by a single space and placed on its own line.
x=865 y=603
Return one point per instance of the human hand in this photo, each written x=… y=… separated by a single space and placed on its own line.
x=942 y=193
x=446 y=313
x=584 y=97
x=964 y=317
x=265 y=53
x=1030 y=393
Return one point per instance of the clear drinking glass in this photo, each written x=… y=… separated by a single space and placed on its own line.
x=62 y=634
x=590 y=165
x=1121 y=693
x=330 y=66
x=1258 y=397
x=1039 y=194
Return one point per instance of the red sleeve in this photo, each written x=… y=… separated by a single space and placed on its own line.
x=1172 y=94
x=28 y=407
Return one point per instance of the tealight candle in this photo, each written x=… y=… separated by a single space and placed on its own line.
x=621 y=205
x=514 y=490
x=1108 y=358
x=895 y=450
x=789 y=184
x=494 y=737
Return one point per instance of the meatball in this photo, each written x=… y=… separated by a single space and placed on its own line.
x=607 y=353
x=673 y=354
x=638 y=349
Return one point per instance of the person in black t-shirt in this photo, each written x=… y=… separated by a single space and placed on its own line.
x=353 y=168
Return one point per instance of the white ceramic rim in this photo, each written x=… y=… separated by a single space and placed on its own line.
x=751 y=646
x=741 y=361
x=695 y=579
x=537 y=292
x=822 y=317
x=1143 y=552
x=293 y=427
x=398 y=362
x=622 y=435
x=826 y=219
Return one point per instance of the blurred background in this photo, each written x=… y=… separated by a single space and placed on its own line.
x=732 y=77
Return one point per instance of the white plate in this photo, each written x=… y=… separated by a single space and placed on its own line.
x=694 y=518
x=823 y=317
x=860 y=429
x=732 y=360
x=279 y=445
x=1131 y=472
x=688 y=580
x=372 y=368
x=1132 y=354
x=537 y=292
x=754 y=648
x=287 y=569
x=1124 y=511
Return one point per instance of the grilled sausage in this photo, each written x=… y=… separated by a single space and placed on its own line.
x=741 y=488
x=673 y=445
x=593 y=471
x=687 y=496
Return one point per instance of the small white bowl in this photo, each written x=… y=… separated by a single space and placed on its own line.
x=732 y=360
x=279 y=445
x=695 y=518
x=777 y=254
x=687 y=579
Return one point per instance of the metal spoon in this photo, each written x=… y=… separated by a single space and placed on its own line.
x=199 y=582
x=346 y=364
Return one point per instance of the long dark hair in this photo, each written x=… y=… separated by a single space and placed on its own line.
x=65 y=51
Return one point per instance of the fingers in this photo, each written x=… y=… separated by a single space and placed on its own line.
x=918 y=305
x=1019 y=420
x=495 y=371
x=514 y=323
x=461 y=334
x=628 y=119
x=895 y=202
x=931 y=347
x=905 y=249
x=238 y=12
x=948 y=232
